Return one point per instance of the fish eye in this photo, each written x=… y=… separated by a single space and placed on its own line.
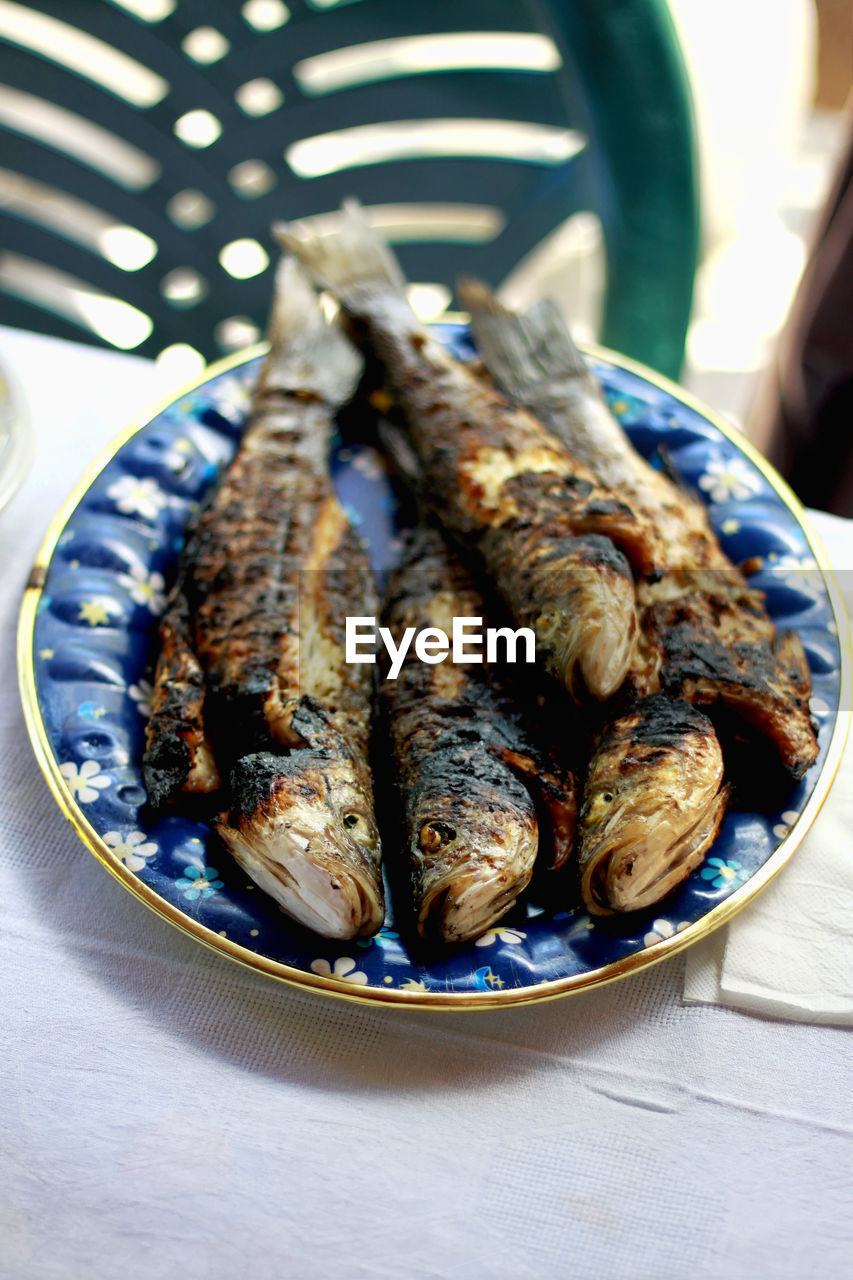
x=351 y=820
x=435 y=834
x=608 y=796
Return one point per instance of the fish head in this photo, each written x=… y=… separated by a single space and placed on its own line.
x=653 y=803
x=589 y=622
x=303 y=828
x=472 y=855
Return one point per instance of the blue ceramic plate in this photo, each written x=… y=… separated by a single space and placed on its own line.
x=88 y=644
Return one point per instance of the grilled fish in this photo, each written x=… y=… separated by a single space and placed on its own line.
x=705 y=635
x=653 y=803
x=268 y=577
x=550 y=537
x=179 y=757
x=471 y=828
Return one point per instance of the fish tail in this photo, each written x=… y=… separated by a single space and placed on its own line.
x=295 y=314
x=523 y=352
x=356 y=255
x=306 y=352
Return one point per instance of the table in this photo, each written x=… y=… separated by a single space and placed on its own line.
x=167 y=1113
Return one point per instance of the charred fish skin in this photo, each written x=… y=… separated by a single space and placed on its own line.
x=493 y=469
x=275 y=534
x=179 y=758
x=653 y=803
x=471 y=828
x=714 y=651
x=704 y=634
x=269 y=575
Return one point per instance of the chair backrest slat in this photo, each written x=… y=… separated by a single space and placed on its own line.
x=616 y=82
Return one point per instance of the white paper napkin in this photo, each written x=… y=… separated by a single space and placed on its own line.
x=789 y=954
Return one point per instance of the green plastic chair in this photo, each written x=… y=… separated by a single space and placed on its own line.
x=143 y=137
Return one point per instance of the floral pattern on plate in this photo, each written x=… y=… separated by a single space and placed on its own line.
x=133 y=849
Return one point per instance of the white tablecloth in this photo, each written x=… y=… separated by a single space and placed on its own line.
x=164 y=1113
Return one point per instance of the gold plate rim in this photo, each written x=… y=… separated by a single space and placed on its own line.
x=402 y=998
